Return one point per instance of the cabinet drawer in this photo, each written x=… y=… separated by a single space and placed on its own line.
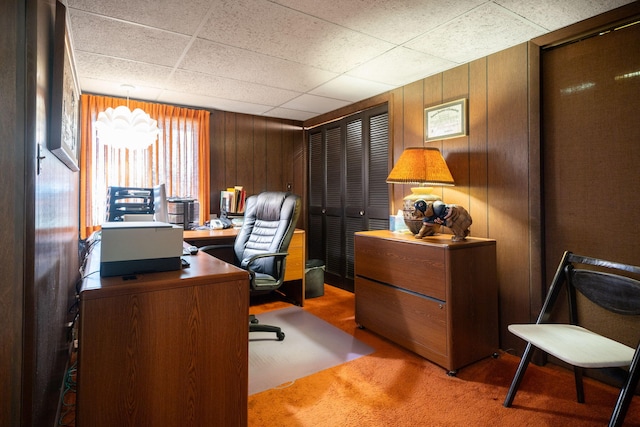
x=413 y=266
x=414 y=322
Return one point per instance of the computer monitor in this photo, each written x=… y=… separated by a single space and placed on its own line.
x=160 y=209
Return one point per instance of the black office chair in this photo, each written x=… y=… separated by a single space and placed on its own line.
x=262 y=243
x=607 y=288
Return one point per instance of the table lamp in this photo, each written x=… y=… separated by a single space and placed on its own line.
x=425 y=167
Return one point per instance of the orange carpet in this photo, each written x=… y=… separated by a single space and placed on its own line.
x=394 y=387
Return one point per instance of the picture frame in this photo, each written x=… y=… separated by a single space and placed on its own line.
x=448 y=120
x=64 y=126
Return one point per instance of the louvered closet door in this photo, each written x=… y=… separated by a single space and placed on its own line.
x=315 y=234
x=334 y=202
x=355 y=206
x=377 y=191
x=367 y=201
x=347 y=191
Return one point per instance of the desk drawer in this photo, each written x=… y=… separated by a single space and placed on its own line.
x=295 y=265
x=295 y=259
x=413 y=266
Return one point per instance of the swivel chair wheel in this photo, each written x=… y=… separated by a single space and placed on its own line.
x=280 y=336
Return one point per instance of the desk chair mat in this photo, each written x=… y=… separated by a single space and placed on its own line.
x=311 y=345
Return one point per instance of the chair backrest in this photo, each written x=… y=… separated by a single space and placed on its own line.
x=610 y=285
x=269 y=222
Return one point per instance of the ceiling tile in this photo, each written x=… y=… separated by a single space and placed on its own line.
x=115 y=89
x=485 y=30
x=274 y=30
x=109 y=37
x=284 y=113
x=120 y=71
x=241 y=64
x=350 y=88
x=220 y=87
x=203 y=101
x=401 y=66
x=180 y=16
x=314 y=104
x=390 y=20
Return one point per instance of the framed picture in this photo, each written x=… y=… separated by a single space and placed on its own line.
x=64 y=127
x=446 y=120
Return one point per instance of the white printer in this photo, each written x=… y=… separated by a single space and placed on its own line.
x=139 y=247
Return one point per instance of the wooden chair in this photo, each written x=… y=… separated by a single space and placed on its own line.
x=574 y=344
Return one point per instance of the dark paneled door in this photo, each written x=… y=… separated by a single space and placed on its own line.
x=347 y=188
x=591 y=151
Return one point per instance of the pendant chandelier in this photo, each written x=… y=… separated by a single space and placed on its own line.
x=123 y=128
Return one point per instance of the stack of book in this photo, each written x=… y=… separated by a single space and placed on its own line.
x=233 y=200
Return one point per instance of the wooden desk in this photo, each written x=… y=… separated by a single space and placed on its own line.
x=164 y=349
x=294 y=286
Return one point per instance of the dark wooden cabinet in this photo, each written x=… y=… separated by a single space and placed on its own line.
x=348 y=167
x=435 y=297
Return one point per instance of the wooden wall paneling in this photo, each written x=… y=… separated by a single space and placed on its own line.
x=216 y=158
x=300 y=182
x=412 y=124
x=536 y=238
x=478 y=158
x=508 y=183
x=413 y=113
x=244 y=150
x=259 y=160
x=287 y=153
x=12 y=169
x=275 y=162
x=455 y=85
x=255 y=152
x=396 y=131
x=230 y=141
x=432 y=94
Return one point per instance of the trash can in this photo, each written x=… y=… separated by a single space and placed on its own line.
x=314 y=278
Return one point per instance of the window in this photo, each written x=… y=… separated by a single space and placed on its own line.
x=179 y=159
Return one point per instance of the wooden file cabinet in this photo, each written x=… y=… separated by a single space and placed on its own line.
x=435 y=297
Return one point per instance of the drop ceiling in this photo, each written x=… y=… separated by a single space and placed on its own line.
x=294 y=59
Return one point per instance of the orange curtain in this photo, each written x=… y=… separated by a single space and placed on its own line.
x=184 y=136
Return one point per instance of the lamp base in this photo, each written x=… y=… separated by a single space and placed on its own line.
x=413 y=223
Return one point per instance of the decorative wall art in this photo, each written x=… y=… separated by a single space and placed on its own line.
x=64 y=139
x=446 y=120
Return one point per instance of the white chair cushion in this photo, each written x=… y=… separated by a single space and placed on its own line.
x=575 y=345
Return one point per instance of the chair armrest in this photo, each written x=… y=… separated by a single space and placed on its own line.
x=251 y=260
x=280 y=265
x=212 y=247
